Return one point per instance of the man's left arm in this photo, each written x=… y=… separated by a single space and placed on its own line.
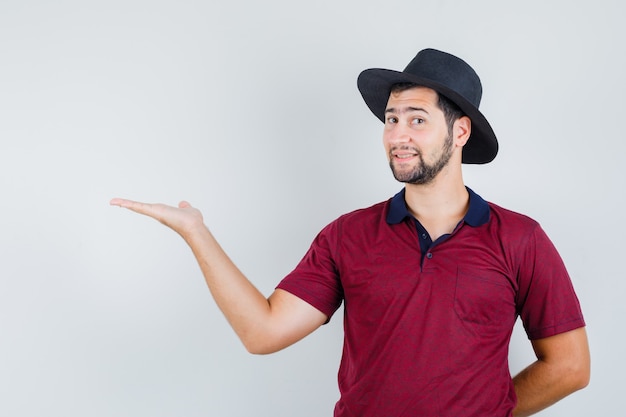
x=562 y=367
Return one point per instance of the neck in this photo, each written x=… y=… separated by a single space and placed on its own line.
x=441 y=204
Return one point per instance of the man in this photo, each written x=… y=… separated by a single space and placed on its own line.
x=432 y=280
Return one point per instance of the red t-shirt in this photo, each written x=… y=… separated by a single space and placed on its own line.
x=429 y=335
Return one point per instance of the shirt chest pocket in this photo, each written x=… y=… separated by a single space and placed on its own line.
x=484 y=298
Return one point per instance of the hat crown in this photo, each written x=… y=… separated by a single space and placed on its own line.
x=449 y=71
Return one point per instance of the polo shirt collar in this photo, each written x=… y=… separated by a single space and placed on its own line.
x=477 y=215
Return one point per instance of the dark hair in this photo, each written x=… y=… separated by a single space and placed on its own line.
x=450 y=110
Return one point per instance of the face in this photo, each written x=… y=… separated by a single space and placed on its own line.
x=416 y=136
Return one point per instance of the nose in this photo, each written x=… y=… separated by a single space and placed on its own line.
x=397 y=134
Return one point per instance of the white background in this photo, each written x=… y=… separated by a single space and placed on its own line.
x=250 y=111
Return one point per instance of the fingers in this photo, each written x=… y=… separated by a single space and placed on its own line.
x=122 y=202
x=182 y=219
x=119 y=202
x=145 y=208
x=135 y=206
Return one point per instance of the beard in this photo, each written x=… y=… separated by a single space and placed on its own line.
x=422 y=173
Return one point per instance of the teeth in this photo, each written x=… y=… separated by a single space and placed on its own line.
x=404 y=156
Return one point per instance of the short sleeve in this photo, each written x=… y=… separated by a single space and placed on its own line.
x=315 y=279
x=546 y=302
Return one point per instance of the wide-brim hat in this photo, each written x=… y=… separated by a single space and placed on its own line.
x=448 y=75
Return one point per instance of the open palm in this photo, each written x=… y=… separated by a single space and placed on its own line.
x=183 y=219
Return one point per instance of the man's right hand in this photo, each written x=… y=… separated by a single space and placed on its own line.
x=183 y=219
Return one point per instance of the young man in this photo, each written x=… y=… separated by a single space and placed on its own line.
x=432 y=280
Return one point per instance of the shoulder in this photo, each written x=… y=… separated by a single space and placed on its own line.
x=510 y=219
x=373 y=213
x=512 y=229
x=366 y=218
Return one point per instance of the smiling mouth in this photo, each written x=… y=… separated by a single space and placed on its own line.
x=405 y=155
x=404 y=152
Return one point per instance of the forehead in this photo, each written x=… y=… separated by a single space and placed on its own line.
x=423 y=96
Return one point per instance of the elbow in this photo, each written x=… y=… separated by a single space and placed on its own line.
x=583 y=371
x=261 y=340
x=580 y=363
x=259 y=346
x=579 y=375
x=257 y=349
x=583 y=377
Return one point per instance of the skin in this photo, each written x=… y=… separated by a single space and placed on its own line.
x=409 y=162
x=426 y=155
x=562 y=367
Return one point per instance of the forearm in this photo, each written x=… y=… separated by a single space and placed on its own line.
x=537 y=387
x=558 y=372
x=264 y=325
x=244 y=306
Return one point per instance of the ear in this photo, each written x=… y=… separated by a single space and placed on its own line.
x=461 y=130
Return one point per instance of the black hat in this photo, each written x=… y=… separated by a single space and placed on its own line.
x=448 y=75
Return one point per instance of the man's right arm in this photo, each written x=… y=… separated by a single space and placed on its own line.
x=264 y=325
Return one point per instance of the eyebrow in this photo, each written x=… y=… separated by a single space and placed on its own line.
x=405 y=110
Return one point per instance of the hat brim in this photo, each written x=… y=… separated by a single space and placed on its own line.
x=375 y=86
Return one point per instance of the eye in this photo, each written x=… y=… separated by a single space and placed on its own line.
x=392 y=120
x=417 y=121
